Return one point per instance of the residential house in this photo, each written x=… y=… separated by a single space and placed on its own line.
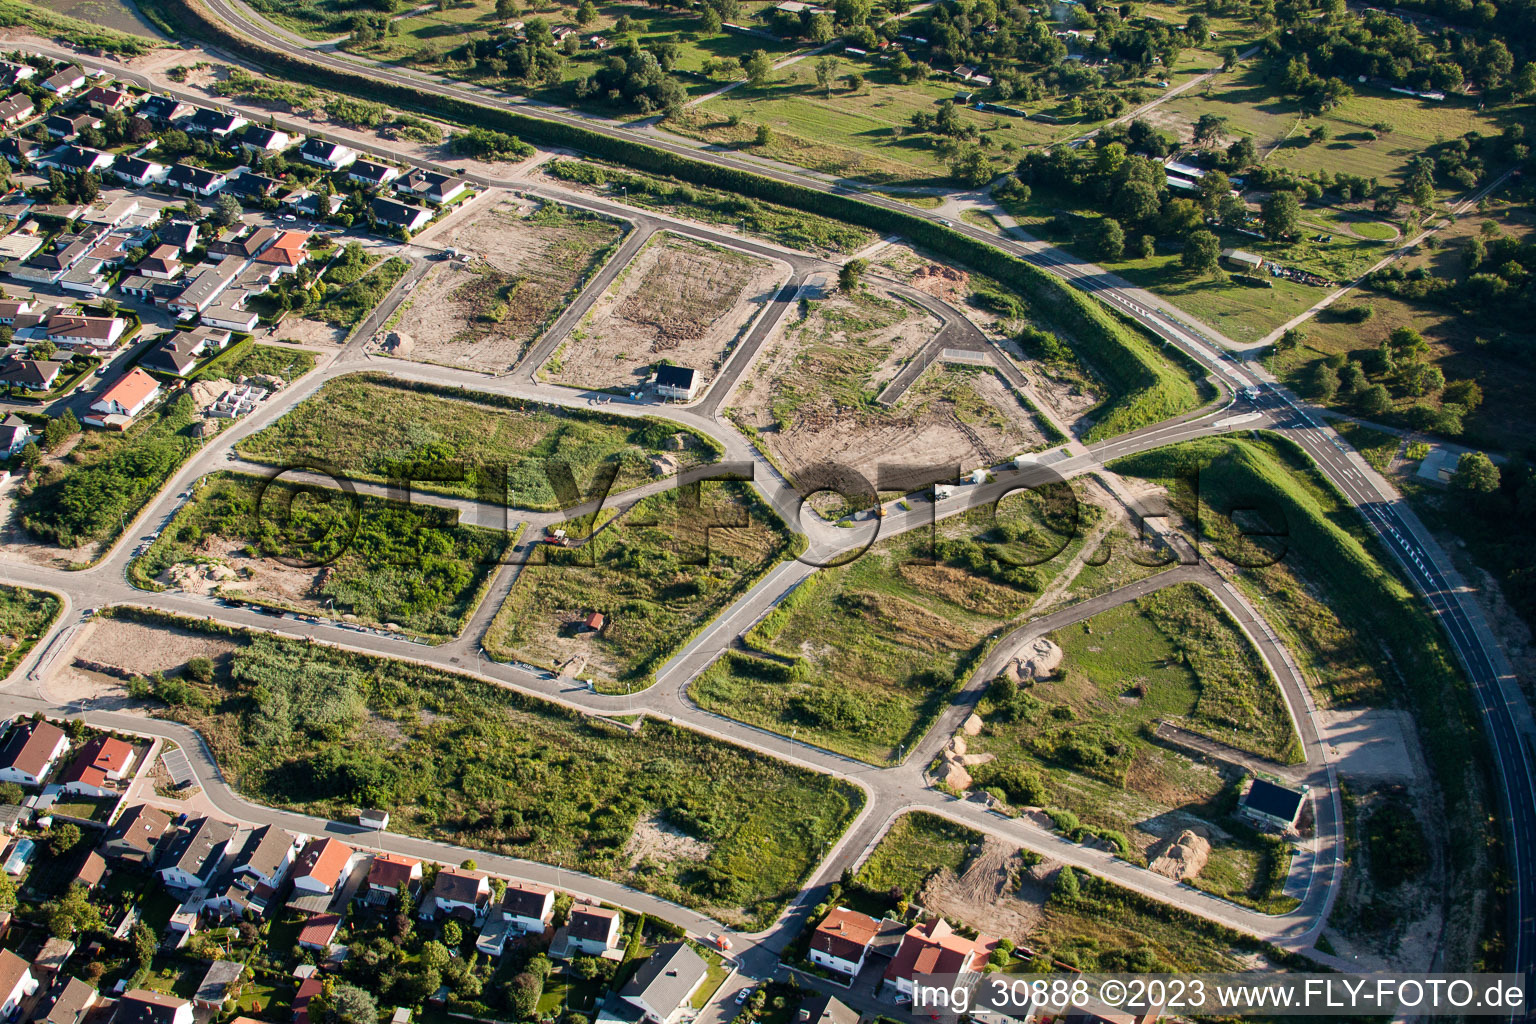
x=1273 y=805
x=310 y=987
x=30 y=374
x=397 y=215
x=49 y=265
x=287 y=252
x=10 y=309
x=678 y=382
x=179 y=352
x=93 y=872
x=101 y=761
x=524 y=909
x=50 y=960
x=113 y=215
x=249 y=185
x=229 y=313
x=141 y=1006
x=12 y=73
x=140 y=172
x=30 y=750
x=15 y=435
x=206 y=285
x=193 y=857
x=162 y=110
x=15 y=109
x=936 y=948
x=663 y=985
x=19 y=152
x=333 y=156
x=198 y=180
x=16 y=983
x=305 y=203
x=371 y=174
x=246 y=245
x=103 y=98
x=130 y=395
x=258 y=141
x=458 y=893
x=841 y=941
x=824 y=1009
x=266 y=858
x=66 y=81
x=214 y=122
x=1251 y=262
x=387 y=873
x=136 y=834
x=588 y=931
x=78 y=160
x=75 y=329
x=433 y=186
x=319 y=931
x=181 y=235
x=220 y=982
x=72 y=1004
x=321 y=866
x=155 y=291
x=162 y=264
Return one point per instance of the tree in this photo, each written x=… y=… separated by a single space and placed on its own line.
x=144 y=944
x=7 y=892
x=1201 y=251
x=764 y=136
x=1136 y=202
x=1374 y=400
x=1281 y=214
x=1465 y=393
x=848 y=277
x=1325 y=382
x=352 y=1005
x=826 y=71
x=710 y=21
x=759 y=67
x=821 y=29
x=1067 y=886
x=1242 y=153
x=855 y=81
x=64 y=838
x=506 y=10
x=44 y=350
x=60 y=429
x=453 y=934
x=523 y=994
x=971 y=168
x=467 y=864
x=1109 y=239
x=586 y=14
x=1476 y=474
x=30 y=456
x=226 y=210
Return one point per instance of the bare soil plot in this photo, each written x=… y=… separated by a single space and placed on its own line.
x=811 y=396
x=679 y=299
x=989 y=892
x=525 y=261
x=132 y=648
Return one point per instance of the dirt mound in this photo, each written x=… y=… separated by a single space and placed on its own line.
x=199 y=577
x=663 y=465
x=973 y=725
x=947 y=283
x=399 y=344
x=1038 y=660
x=1180 y=858
x=987 y=893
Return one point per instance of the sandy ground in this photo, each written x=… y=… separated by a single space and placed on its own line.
x=224 y=567
x=679 y=299
x=654 y=839
x=1373 y=746
x=452 y=317
x=16 y=543
x=947 y=416
x=987 y=894
x=131 y=646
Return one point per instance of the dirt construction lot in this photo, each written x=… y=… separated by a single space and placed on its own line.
x=810 y=396
x=525 y=260
x=679 y=299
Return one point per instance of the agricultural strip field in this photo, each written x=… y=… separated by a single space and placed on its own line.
x=1086 y=922
x=320 y=551
x=25 y=616
x=531 y=259
x=1359 y=634
x=324 y=732
x=860 y=659
x=78 y=503
x=810 y=397
x=368 y=424
x=657 y=574
x=1075 y=738
x=679 y=300
x=796 y=229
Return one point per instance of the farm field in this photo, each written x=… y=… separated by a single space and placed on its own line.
x=656 y=573
x=1074 y=737
x=406 y=566
x=810 y=397
x=664 y=809
x=530 y=259
x=679 y=300
x=861 y=658
x=364 y=425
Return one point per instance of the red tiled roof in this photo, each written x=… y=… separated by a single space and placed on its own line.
x=844 y=934
x=319 y=930
x=323 y=860
x=389 y=870
x=131 y=390
x=935 y=948
x=100 y=756
x=30 y=747
x=287 y=251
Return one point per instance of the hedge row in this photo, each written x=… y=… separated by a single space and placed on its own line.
x=1145 y=388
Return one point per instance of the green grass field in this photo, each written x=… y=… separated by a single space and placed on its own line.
x=365 y=425
x=917 y=845
x=25 y=616
x=320 y=731
x=861 y=659
x=658 y=574
x=252 y=360
x=384 y=561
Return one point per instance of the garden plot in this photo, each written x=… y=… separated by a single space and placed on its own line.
x=680 y=300
x=811 y=396
x=525 y=262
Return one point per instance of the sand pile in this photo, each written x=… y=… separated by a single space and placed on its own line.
x=1181 y=858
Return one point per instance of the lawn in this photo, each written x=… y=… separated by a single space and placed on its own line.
x=658 y=574
x=108 y=477
x=860 y=659
x=370 y=426
x=252 y=360
x=25 y=616
x=315 y=550
x=324 y=732
x=917 y=845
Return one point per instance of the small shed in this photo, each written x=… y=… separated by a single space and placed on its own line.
x=1272 y=804
x=677 y=382
x=594 y=622
x=1243 y=258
